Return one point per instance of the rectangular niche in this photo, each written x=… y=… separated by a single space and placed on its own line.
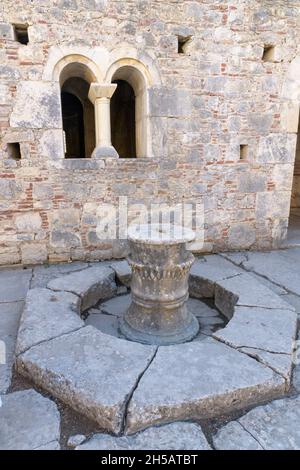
x=21 y=33
x=14 y=150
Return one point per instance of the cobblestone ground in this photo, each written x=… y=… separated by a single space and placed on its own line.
x=33 y=420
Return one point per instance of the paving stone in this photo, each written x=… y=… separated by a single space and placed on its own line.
x=275 y=426
x=296 y=378
x=28 y=421
x=123 y=272
x=270 y=285
x=244 y=290
x=108 y=324
x=46 y=315
x=54 y=445
x=9 y=321
x=211 y=321
x=201 y=309
x=203 y=383
x=174 y=436
x=293 y=300
x=92 y=285
x=281 y=267
x=43 y=274
x=206 y=272
x=271 y=330
x=92 y=372
x=281 y=363
x=234 y=437
x=14 y=284
x=116 y=306
x=76 y=440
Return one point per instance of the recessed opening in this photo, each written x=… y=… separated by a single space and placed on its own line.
x=243 y=152
x=268 y=54
x=123 y=120
x=183 y=43
x=21 y=33
x=14 y=150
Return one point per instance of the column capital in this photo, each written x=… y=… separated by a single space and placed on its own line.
x=101 y=90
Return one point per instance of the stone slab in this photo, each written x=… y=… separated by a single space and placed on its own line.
x=244 y=290
x=174 y=436
x=46 y=315
x=94 y=284
x=271 y=330
x=123 y=272
x=201 y=309
x=280 y=363
x=28 y=421
x=9 y=321
x=92 y=372
x=207 y=379
x=206 y=272
x=116 y=306
x=14 y=284
x=280 y=267
x=44 y=274
x=275 y=426
x=108 y=324
x=234 y=437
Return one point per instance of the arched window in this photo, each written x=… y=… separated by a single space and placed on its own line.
x=77 y=111
x=123 y=120
x=129 y=113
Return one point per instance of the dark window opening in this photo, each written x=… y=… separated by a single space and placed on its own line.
x=14 y=150
x=72 y=114
x=123 y=133
x=21 y=33
x=243 y=152
x=182 y=44
x=268 y=54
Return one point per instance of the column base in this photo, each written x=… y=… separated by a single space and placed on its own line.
x=105 y=152
x=181 y=336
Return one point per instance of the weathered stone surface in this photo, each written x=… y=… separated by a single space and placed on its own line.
x=275 y=426
x=37 y=106
x=54 y=445
x=201 y=309
x=116 y=306
x=244 y=290
x=14 y=284
x=277 y=148
x=123 y=272
x=206 y=272
x=6 y=31
x=203 y=383
x=30 y=222
x=92 y=372
x=28 y=421
x=9 y=320
x=46 y=315
x=280 y=267
x=271 y=330
x=169 y=102
x=43 y=274
x=280 y=363
x=97 y=283
x=34 y=253
x=76 y=440
x=174 y=436
x=234 y=437
x=108 y=324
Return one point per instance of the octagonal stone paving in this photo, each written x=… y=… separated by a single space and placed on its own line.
x=92 y=372
x=174 y=436
x=91 y=285
x=199 y=380
x=46 y=315
x=28 y=421
x=275 y=426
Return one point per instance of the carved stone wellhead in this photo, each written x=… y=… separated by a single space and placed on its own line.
x=160 y=265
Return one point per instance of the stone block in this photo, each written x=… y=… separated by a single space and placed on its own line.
x=47 y=315
x=277 y=148
x=37 y=106
x=169 y=102
x=123 y=272
x=51 y=144
x=241 y=236
x=28 y=222
x=34 y=253
x=7 y=31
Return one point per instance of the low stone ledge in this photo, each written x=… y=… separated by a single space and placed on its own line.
x=91 y=285
x=92 y=372
x=46 y=315
x=123 y=272
x=199 y=380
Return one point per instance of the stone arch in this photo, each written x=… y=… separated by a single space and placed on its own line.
x=139 y=78
x=75 y=76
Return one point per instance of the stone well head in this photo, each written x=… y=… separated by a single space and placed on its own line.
x=160 y=266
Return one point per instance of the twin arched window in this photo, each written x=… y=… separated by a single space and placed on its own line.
x=127 y=112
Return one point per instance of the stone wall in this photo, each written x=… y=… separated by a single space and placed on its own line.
x=229 y=88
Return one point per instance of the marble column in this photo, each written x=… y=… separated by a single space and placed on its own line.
x=100 y=95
